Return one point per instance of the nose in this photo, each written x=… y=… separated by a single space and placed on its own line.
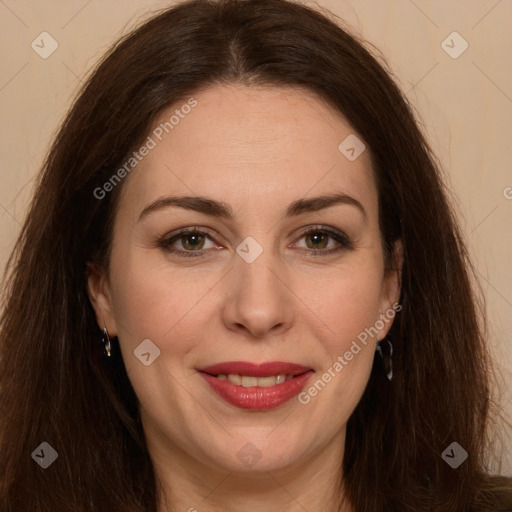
x=260 y=301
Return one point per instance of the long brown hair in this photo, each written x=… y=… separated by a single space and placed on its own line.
x=54 y=385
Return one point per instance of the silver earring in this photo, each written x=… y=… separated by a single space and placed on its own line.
x=105 y=339
x=387 y=358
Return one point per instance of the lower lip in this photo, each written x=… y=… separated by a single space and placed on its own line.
x=257 y=398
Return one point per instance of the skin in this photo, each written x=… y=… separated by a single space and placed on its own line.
x=257 y=149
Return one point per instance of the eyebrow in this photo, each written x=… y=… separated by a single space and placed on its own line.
x=222 y=210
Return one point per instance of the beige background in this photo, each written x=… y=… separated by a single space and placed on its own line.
x=465 y=104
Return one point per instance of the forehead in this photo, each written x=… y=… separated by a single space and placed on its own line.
x=243 y=144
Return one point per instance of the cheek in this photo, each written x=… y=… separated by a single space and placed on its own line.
x=168 y=308
x=152 y=302
x=349 y=304
x=348 y=309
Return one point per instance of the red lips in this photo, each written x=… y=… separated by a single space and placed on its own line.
x=255 y=397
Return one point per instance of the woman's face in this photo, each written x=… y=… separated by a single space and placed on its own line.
x=275 y=270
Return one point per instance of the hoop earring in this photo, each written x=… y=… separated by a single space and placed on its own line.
x=387 y=359
x=105 y=340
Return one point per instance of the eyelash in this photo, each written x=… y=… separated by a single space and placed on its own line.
x=340 y=237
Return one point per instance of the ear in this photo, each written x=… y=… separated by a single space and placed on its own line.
x=391 y=288
x=98 y=289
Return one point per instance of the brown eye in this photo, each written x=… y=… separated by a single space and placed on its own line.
x=318 y=240
x=192 y=241
x=188 y=242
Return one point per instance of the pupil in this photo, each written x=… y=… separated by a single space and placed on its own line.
x=317 y=238
x=191 y=241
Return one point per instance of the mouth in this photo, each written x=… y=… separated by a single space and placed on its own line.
x=257 y=387
x=248 y=381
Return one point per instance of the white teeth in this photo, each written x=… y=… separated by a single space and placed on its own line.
x=266 y=382
x=235 y=379
x=249 y=381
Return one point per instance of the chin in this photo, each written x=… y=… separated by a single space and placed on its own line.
x=256 y=453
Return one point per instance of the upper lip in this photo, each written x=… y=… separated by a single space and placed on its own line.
x=255 y=370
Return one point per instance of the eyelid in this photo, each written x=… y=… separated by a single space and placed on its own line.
x=321 y=227
x=336 y=234
x=167 y=239
x=343 y=241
